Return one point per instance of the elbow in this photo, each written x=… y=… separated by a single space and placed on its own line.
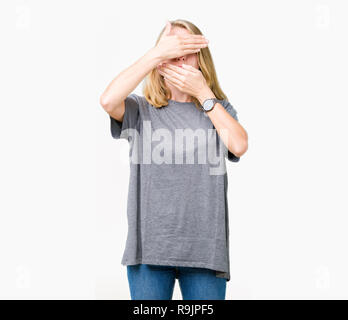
x=104 y=102
x=241 y=149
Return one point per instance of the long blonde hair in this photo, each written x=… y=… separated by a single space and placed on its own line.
x=155 y=89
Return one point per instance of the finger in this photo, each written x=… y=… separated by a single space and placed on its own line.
x=163 y=73
x=173 y=75
x=167 y=28
x=195 y=41
x=189 y=67
x=173 y=70
x=194 y=46
x=175 y=83
x=181 y=70
x=189 y=51
x=192 y=36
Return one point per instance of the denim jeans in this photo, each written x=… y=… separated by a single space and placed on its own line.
x=156 y=282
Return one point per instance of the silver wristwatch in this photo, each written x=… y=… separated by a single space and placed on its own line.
x=209 y=104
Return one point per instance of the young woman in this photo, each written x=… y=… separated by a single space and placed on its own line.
x=177 y=201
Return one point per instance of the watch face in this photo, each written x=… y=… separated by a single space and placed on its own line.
x=208 y=104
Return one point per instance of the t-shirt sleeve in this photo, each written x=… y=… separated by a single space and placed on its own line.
x=130 y=118
x=233 y=112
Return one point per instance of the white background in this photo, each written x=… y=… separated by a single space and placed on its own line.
x=64 y=180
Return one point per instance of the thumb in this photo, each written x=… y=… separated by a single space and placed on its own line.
x=167 y=28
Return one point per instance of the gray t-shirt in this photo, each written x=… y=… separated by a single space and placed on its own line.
x=177 y=211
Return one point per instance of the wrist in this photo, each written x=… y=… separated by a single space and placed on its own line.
x=205 y=94
x=155 y=55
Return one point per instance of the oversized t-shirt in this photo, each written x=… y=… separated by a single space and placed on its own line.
x=177 y=208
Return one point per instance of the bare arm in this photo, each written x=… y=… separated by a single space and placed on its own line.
x=190 y=80
x=169 y=46
x=112 y=99
x=236 y=138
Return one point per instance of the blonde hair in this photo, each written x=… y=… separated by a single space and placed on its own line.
x=155 y=89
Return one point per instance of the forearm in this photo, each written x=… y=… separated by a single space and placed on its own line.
x=229 y=129
x=126 y=81
x=231 y=132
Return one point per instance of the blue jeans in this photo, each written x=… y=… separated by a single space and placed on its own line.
x=156 y=282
